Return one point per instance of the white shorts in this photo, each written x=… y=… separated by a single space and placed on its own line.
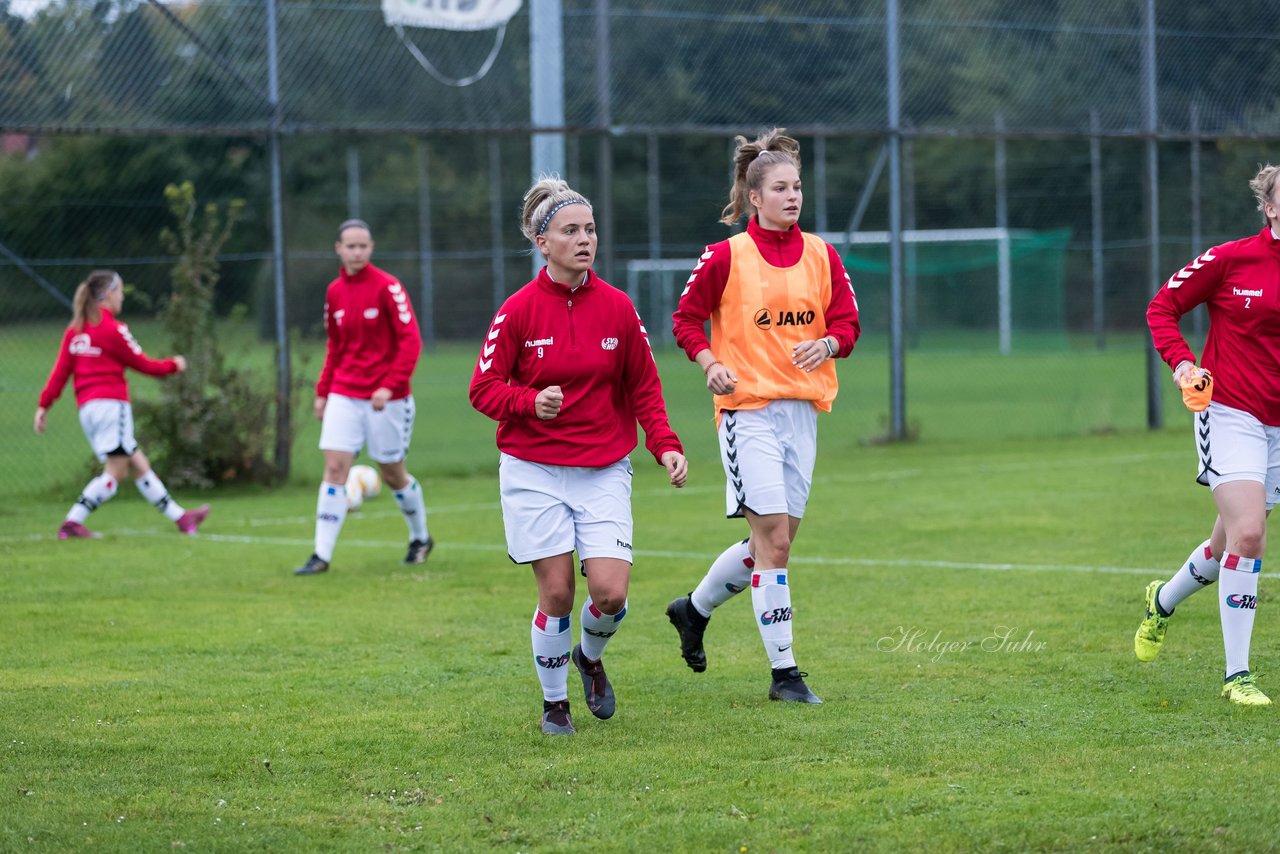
x=351 y=424
x=549 y=510
x=1233 y=445
x=108 y=425
x=768 y=457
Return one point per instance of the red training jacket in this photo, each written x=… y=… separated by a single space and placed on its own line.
x=1240 y=283
x=591 y=343
x=705 y=288
x=97 y=356
x=374 y=341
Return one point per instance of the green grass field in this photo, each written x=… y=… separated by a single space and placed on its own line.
x=965 y=605
x=963 y=391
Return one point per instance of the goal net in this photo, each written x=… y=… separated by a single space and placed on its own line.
x=971 y=288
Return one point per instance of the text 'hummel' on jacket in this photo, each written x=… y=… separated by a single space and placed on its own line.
x=374 y=341
x=589 y=341
x=1239 y=282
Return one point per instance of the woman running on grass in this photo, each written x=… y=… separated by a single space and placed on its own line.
x=95 y=350
x=1237 y=435
x=781 y=309
x=566 y=371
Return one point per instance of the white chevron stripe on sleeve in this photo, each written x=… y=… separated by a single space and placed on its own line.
x=486 y=362
x=1176 y=280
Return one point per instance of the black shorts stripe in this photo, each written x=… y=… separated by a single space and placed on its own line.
x=1203 y=446
x=406 y=430
x=732 y=467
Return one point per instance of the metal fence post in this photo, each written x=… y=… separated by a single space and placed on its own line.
x=284 y=379
x=1095 y=193
x=897 y=371
x=1155 y=413
x=426 y=297
x=497 y=265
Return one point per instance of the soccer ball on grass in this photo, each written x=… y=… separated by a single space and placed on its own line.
x=363 y=482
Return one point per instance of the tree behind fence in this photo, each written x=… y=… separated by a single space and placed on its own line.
x=104 y=104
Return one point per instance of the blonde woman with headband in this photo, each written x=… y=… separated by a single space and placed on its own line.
x=781 y=309
x=95 y=350
x=566 y=371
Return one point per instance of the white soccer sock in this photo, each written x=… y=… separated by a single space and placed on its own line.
x=96 y=491
x=771 y=598
x=153 y=490
x=1198 y=571
x=551 y=647
x=413 y=508
x=331 y=512
x=597 y=628
x=1237 y=605
x=728 y=576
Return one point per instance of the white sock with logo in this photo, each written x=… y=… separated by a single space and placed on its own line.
x=331 y=512
x=154 y=491
x=728 y=576
x=771 y=598
x=1237 y=605
x=597 y=628
x=413 y=508
x=95 y=492
x=1198 y=571
x=552 y=644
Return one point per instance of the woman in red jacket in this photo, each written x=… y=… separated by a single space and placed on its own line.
x=95 y=350
x=364 y=396
x=566 y=371
x=1237 y=435
x=781 y=310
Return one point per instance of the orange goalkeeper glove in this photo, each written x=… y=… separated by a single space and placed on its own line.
x=1197 y=389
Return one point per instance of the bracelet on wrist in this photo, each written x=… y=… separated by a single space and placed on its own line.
x=832 y=349
x=710 y=365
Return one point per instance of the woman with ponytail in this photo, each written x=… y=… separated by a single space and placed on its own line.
x=566 y=371
x=95 y=351
x=781 y=309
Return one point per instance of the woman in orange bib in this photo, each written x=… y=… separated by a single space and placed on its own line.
x=781 y=309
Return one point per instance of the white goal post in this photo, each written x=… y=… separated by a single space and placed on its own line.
x=680 y=268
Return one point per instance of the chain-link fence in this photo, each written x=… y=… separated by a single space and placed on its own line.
x=1023 y=118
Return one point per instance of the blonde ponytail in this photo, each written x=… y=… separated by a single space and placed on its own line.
x=750 y=162
x=86 y=305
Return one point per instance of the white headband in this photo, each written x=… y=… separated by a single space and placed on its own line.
x=115 y=283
